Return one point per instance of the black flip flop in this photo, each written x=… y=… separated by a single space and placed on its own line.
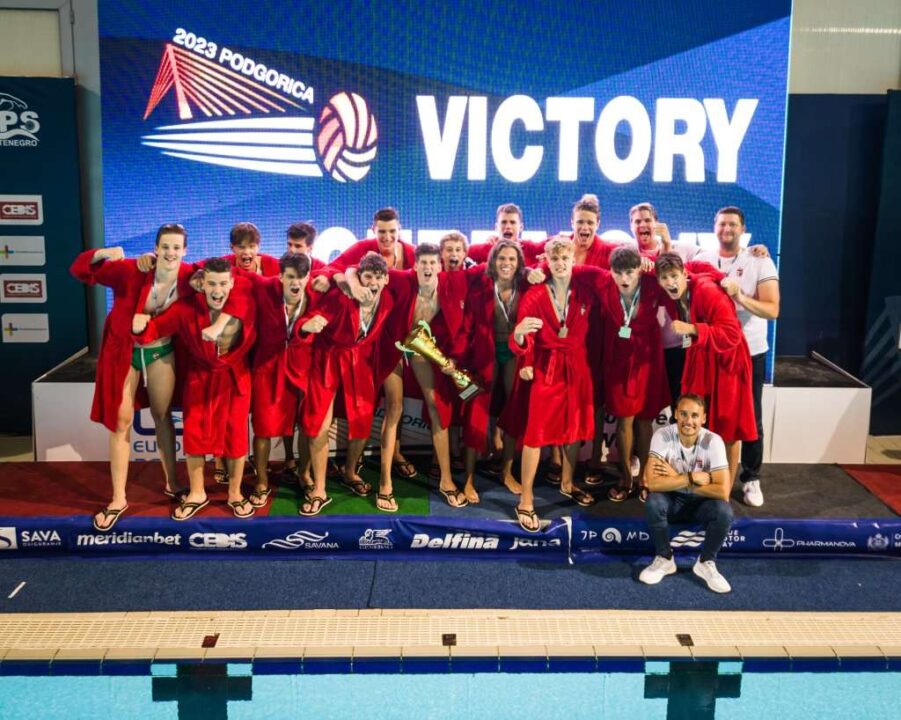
x=192 y=508
x=357 y=487
x=579 y=496
x=448 y=494
x=316 y=504
x=107 y=513
x=405 y=469
x=531 y=515
x=386 y=498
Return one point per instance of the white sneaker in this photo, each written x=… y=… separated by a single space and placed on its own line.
x=753 y=496
x=709 y=574
x=657 y=570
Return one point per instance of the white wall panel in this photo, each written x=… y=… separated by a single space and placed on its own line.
x=845 y=46
x=30 y=43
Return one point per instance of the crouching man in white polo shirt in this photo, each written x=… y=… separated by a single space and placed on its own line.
x=688 y=475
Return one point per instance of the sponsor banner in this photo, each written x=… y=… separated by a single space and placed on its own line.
x=461 y=539
x=22 y=250
x=410 y=538
x=27 y=534
x=577 y=539
x=21 y=209
x=598 y=538
x=23 y=288
x=25 y=328
x=362 y=537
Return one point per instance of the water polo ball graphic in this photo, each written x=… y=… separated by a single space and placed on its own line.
x=348 y=137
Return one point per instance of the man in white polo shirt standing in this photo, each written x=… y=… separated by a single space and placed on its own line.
x=688 y=475
x=753 y=283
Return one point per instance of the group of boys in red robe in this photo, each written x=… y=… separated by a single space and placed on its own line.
x=554 y=332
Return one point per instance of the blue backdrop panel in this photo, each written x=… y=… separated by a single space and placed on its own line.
x=42 y=307
x=275 y=113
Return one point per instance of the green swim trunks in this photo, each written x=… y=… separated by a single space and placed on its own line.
x=151 y=354
x=502 y=353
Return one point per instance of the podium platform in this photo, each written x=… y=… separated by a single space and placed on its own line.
x=814 y=412
x=810 y=510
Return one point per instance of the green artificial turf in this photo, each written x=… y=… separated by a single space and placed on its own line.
x=412 y=497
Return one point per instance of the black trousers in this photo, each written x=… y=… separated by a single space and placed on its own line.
x=663 y=508
x=674 y=359
x=752 y=452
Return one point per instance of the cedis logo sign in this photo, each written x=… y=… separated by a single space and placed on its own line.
x=21 y=288
x=21 y=210
x=256 y=117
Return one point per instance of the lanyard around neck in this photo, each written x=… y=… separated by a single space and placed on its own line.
x=561 y=312
x=167 y=301
x=364 y=326
x=629 y=313
x=506 y=308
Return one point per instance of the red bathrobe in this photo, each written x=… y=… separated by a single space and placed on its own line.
x=634 y=377
x=217 y=387
x=597 y=255
x=351 y=257
x=342 y=358
x=718 y=362
x=130 y=289
x=447 y=327
x=275 y=390
x=268 y=264
x=560 y=407
x=531 y=249
x=479 y=355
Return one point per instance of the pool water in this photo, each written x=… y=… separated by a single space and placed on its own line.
x=689 y=690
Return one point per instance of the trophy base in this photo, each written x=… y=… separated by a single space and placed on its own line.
x=469 y=392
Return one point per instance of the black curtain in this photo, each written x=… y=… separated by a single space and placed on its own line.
x=882 y=353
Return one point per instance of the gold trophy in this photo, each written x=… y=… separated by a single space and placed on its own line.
x=422 y=342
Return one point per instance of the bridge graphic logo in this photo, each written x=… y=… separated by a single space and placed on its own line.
x=247 y=125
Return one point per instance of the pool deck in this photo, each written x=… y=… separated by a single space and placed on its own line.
x=305 y=635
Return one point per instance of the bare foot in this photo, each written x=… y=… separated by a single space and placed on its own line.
x=469 y=490
x=512 y=484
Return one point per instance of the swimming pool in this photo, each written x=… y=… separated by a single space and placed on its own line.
x=689 y=689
